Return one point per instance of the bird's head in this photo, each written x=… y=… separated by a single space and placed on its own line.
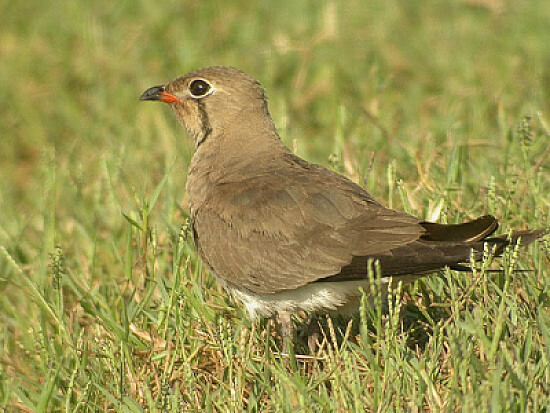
x=212 y=100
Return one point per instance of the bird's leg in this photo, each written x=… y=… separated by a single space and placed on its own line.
x=287 y=330
x=313 y=334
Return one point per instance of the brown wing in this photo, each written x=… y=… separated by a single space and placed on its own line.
x=280 y=229
x=293 y=226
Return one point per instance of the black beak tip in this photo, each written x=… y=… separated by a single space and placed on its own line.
x=153 y=93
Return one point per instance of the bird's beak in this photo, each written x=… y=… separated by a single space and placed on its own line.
x=158 y=93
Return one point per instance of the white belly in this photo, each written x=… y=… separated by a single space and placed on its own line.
x=342 y=297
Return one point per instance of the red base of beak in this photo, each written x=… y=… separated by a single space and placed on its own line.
x=168 y=98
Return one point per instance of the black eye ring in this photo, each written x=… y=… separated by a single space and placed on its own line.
x=199 y=88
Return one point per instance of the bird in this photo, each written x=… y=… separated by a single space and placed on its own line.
x=283 y=235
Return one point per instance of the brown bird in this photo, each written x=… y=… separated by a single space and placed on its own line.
x=282 y=234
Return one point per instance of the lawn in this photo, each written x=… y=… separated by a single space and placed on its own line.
x=438 y=108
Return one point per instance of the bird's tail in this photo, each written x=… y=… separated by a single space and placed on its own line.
x=523 y=237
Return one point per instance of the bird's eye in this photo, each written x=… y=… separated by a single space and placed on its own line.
x=199 y=88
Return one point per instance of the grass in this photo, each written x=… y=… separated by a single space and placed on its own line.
x=441 y=109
